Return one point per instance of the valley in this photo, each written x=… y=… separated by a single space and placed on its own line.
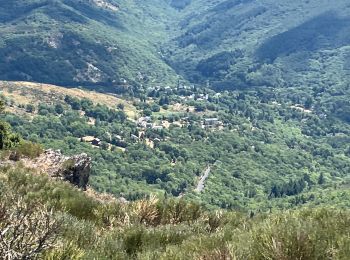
x=267 y=146
x=174 y=129
x=157 y=101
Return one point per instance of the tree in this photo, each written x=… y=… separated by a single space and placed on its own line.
x=308 y=103
x=7 y=138
x=155 y=108
x=200 y=107
x=120 y=106
x=147 y=112
x=2 y=106
x=321 y=179
x=30 y=108
x=59 y=109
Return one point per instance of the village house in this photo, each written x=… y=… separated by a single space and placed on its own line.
x=145 y=122
x=144 y=119
x=92 y=140
x=211 y=123
x=118 y=137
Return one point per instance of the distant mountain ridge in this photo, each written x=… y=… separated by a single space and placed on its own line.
x=114 y=44
x=70 y=42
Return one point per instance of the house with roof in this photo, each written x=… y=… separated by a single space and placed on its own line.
x=211 y=123
x=92 y=140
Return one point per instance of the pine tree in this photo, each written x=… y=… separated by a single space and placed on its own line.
x=321 y=179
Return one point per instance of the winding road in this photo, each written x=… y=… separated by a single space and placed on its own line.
x=203 y=178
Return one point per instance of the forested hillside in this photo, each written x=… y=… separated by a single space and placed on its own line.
x=108 y=44
x=43 y=218
x=245 y=43
x=201 y=129
x=115 y=44
x=263 y=148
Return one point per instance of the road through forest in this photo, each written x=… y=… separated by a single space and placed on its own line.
x=203 y=178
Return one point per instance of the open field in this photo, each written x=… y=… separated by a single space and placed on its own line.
x=33 y=93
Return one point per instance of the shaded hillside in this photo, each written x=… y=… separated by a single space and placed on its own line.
x=69 y=42
x=326 y=31
x=279 y=44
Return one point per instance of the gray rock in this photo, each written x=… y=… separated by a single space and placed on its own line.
x=75 y=169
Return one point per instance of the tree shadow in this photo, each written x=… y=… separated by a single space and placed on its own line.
x=327 y=30
x=12 y=10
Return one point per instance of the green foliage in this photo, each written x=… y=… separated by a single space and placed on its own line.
x=60 y=196
x=127 y=45
x=269 y=151
x=27 y=149
x=2 y=106
x=30 y=108
x=7 y=138
x=182 y=231
x=232 y=43
x=70 y=38
x=180 y=4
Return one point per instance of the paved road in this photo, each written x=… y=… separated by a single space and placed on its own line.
x=204 y=177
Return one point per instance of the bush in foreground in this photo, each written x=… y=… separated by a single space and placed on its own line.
x=161 y=229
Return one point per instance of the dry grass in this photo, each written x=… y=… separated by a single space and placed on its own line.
x=28 y=92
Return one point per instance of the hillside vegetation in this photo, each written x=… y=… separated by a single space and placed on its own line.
x=245 y=43
x=265 y=148
x=28 y=93
x=112 y=44
x=57 y=221
x=279 y=138
x=45 y=219
x=118 y=45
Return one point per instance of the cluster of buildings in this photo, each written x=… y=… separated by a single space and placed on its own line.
x=146 y=123
x=212 y=123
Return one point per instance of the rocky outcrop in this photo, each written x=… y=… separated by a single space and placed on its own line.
x=75 y=169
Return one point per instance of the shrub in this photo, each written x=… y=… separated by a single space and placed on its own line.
x=26 y=149
x=27 y=230
x=146 y=211
x=7 y=138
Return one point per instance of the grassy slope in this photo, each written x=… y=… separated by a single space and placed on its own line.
x=28 y=93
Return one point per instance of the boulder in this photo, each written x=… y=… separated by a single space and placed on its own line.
x=74 y=169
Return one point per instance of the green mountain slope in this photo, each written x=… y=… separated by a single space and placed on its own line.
x=232 y=43
x=240 y=43
x=71 y=42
